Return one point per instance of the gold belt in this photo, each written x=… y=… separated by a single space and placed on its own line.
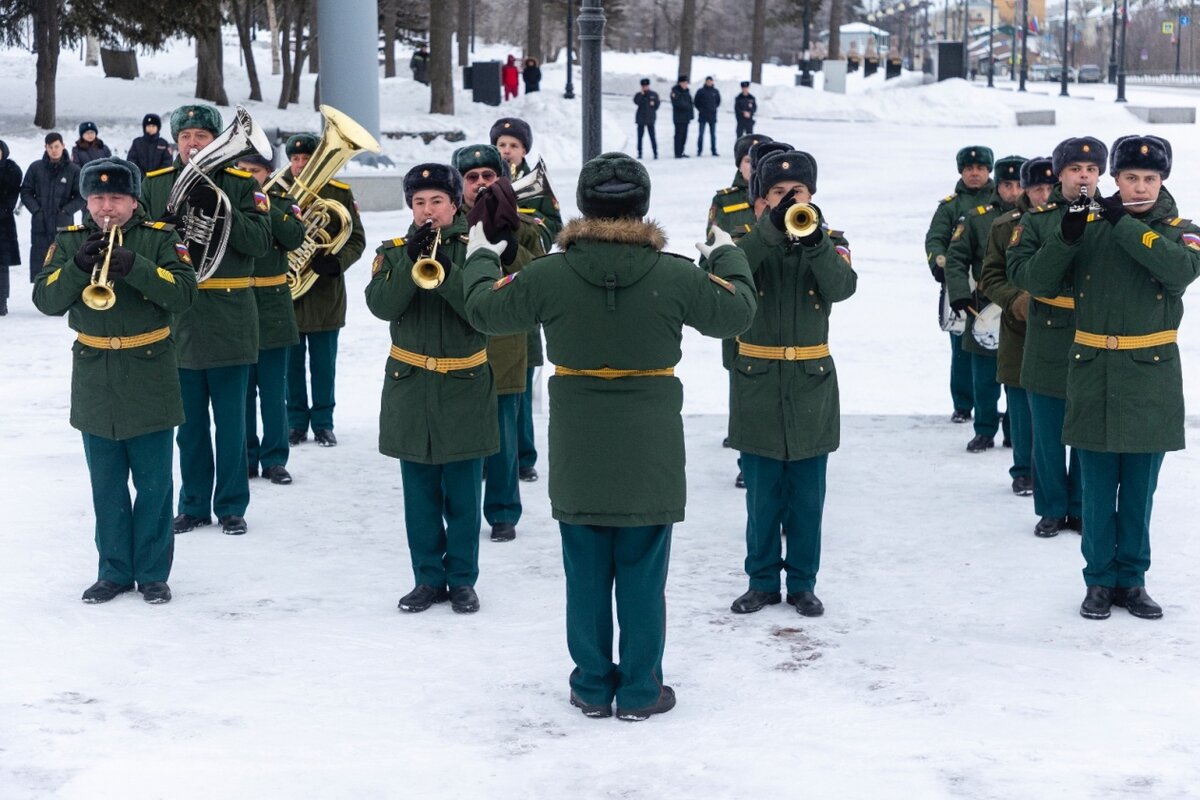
x=442 y=365
x=273 y=280
x=608 y=373
x=124 y=342
x=1057 y=302
x=1103 y=342
x=789 y=353
x=233 y=283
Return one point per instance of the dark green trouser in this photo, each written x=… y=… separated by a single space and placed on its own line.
x=502 y=495
x=1056 y=485
x=134 y=539
x=960 y=375
x=635 y=560
x=985 y=394
x=787 y=496
x=1021 y=425
x=322 y=350
x=1118 y=495
x=225 y=389
x=526 y=447
x=441 y=516
x=267 y=384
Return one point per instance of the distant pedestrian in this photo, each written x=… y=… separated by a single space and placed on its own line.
x=708 y=100
x=50 y=191
x=647 y=111
x=510 y=76
x=532 y=75
x=744 y=109
x=419 y=64
x=89 y=146
x=10 y=193
x=150 y=151
x=683 y=111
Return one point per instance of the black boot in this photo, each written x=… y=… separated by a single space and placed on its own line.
x=753 y=600
x=981 y=443
x=1097 y=604
x=590 y=710
x=186 y=522
x=504 y=532
x=1137 y=602
x=960 y=416
x=4 y=307
x=277 y=473
x=422 y=597
x=527 y=474
x=252 y=472
x=666 y=701
x=1022 y=486
x=1074 y=524
x=807 y=604
x=740 y=481
x=232 y=525
x=1048 y=527
x=325 y=437
x=725 y=442
x=464 y=600
x=296 y=436
x=102 y=591
x=155 y=592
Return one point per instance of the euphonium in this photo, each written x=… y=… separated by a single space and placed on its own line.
x=98 y=294
x=427 y=273
x=327 y=223
x=800 y=220
x=534 y=183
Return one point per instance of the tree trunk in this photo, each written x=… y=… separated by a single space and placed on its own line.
x=91 y=52
x=835 y=34
x=210 y=76
x=46 y=33
x=687 y=36
x=464 y=32
x=441 y=78
x=273 y=24
x=300 y=51
x=758 y=41
x=285 y=47
x=387 y=22
x=241 y=16
x=314 y=39
x=533 y=31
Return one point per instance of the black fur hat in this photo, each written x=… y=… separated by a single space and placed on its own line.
x=613 y=185
x=442 y=177
x=302 y=143
x=793 y=165
x=152 y=119
x=1141 y=152
x=1085 y=149
x=645 y=82
x=110 y=176
x=1008 y=168
x=517 y=128
x=974 y=154
x=760 y=151
x=1037 y=171
x=741 y=148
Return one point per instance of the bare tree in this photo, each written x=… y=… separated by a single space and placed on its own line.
x=533 y=31
x=835 y=33
x=758 y=40
x=242 y=11
x=46 y=33
x=464 y=32
x=387 y=23
x=210 y=69
x=292 y=50
x=687 y=36
x=441 y=78
x=273 y=27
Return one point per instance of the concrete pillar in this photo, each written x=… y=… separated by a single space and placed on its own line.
x=349 y=62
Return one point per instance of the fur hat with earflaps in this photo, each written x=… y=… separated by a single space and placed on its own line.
x=442 y=177
x=110 y=176
x=1008 y=168
x=475 y=156
x=196 y=115
x=517 y=128
x=1141 y=152
x=1077 y=150
x=741 y=148
x=793 y=165
x=1038 y=171
x=301 y=144
x=613 y=185
x=974 y=154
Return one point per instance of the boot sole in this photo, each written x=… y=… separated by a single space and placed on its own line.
x=1094 y=615
x=1132 y=613
x=191 y=528
x=757 y=608
x=592 y=712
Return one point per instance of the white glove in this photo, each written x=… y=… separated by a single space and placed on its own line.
x=720 y=239
x=477 y=240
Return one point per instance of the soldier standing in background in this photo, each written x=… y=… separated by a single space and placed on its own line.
x=682 y=113
x=744 y=109
x=646 y=101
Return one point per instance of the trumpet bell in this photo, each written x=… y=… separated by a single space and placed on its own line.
x=800 y=220
x=427 y=273
x=98 y=297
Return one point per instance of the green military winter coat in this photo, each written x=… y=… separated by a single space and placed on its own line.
x=994 y=283
x=323 y=307
x=1129 y=280
x=1050 y=329
x=950 y=209
x=509 y=355
x=120 y=394
x=732 y=209
x=221 y=327
x=613 y=299
x=789 y=410
x=276 y=314
x=964 y=263
x=431 y=417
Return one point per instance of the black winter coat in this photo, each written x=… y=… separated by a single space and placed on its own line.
x=84 y=152
x=744 y=102
x=10 y=193
x=51 y=193
x=150 y=153
x=647 y=108
x=708 y=99
x=533 y=78
x=682 y=108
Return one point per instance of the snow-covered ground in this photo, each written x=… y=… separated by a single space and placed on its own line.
x=951 y=661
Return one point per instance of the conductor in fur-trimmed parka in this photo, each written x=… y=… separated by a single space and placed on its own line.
x=613 y=305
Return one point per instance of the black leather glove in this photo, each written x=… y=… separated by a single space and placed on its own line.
x=779 y=212
x=1072 y=225
x=510 y=252
x=203 y=200
x=89 y=253
x=960 y=306
x=326 y=265
x=813 y=239
x=121 y=262
x=420 y=241
x=1112 y=208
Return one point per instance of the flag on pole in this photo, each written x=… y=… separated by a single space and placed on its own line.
x=1034 y=28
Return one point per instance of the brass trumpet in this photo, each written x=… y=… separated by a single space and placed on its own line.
x=800 y=220
x=427 y=273
x=98 y=294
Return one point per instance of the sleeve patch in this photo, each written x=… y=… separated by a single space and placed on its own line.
x=53 y=276
x=958 y=232
x=844 y=252
x=296 y=211
x=377 y=264
x=261 y=202
x=165 y=274
x=1016 y=235
x=50 y=254
x=1148 y=239
x=724 y=284
x=505 y=281
x=182 y=251
x=1190 y=240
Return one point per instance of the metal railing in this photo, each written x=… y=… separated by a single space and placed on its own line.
x=1164 y=78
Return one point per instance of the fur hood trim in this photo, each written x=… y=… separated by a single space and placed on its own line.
x=646 y=233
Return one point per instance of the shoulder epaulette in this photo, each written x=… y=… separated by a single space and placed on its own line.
x=832 y=233
x=464 y=238
x=390 y=243
x=70 y=228
x=529 y=217
x=159 y=225
x=154 y=173
x=981 y=210
x=727 y=190
x=241 y=173
x=948 y=198
x=1179 y=222
x=339 y=185
x=1043 y=209
x=680 y=257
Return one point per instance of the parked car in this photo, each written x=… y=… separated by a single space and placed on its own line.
x=1038 y=72
x=1090 y=73
x=1054 y=73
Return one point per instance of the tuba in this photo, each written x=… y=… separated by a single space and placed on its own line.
x=99 y=295
x=207 y=236
x=327 y=223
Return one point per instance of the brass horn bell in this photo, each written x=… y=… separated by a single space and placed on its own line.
x=800 y=220
x=427 y=273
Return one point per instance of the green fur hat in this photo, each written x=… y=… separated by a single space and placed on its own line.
x=474 y=156
x=974 y=154
x=1008 y=168
x=303 y=143
x=110 y=176
x=613 y=185
x=195 y=116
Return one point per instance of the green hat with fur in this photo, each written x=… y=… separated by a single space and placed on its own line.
x=475 y=156
x=301 y=143
x=974 y=154
x=613 y=185
x=195 y=116
x=110 y=176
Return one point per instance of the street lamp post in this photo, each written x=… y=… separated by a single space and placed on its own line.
x=591 y=40
x=1064 y=69
x=966 y=49
x=805 y=77
x=569 y=92
x=1024 y=43
x=1121 y=55
x=1112 y=48
x=991 y=58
